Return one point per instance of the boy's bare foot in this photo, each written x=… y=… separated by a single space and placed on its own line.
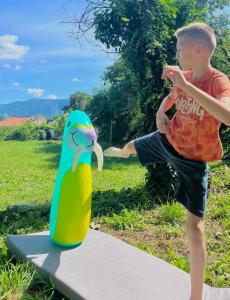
x=115 y=152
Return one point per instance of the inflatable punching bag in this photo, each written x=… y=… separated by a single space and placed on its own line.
x=72 y=197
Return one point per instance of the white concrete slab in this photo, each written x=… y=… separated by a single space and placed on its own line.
x=218 y=294
x=105 y=268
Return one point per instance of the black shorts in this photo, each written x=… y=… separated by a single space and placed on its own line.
x=192 y=189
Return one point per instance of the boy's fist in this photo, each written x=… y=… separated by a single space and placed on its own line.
x=166 y=70
x=162 y=121
x=174 y=73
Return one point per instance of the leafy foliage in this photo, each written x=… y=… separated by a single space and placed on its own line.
x=78 y=100
x=28 y=131
x=142 y=33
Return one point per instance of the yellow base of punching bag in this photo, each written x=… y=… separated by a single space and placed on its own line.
x=73 y=222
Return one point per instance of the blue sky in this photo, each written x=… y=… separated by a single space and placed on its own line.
x=37 y=56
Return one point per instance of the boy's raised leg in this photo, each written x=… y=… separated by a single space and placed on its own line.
x=124 y=152
x=197 y=254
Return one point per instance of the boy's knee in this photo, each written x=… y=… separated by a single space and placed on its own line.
x=194 y=226
x=131 y=147
x=195 y=232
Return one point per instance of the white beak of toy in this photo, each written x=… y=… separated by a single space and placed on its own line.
x=99 y=153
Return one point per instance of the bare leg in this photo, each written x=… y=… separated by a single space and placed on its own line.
x=125 y=152
x=197 y=254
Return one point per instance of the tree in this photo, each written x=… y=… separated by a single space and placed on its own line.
x=142 y=33
x=78 y=100
x=115 y=106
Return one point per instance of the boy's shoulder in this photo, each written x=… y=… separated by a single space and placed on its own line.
x=220 y=84
x=216 y=75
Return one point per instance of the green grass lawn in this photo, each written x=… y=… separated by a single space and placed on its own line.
x=120 y=205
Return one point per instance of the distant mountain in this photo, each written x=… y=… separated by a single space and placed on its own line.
x=33 y=107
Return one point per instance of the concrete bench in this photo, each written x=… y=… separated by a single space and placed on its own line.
x=106 y=268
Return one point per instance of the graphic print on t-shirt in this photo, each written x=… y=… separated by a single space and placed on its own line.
x=189 y=106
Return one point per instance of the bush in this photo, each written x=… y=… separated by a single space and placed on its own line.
x=22 y=132
x=4 y=132
x=28 y=131
x=40 y=134
x=59 y=124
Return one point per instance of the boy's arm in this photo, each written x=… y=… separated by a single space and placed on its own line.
x=167 y=103
x=162 y=120
x=220 y=109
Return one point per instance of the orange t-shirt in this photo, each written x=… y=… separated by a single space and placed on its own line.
x=193 y=132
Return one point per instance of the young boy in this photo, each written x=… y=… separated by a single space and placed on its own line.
x=191 y=138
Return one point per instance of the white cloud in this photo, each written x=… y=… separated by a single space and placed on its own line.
x=52 y=97
x=7 y=66
x=18 y=67
x=36 y=92
x=16 y=84
x=75 y=79
x=9 y=49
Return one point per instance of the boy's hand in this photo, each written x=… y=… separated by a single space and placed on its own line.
x=175 y=74
x=162 y=121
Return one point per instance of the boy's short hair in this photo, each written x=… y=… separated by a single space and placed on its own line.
x=201 y=32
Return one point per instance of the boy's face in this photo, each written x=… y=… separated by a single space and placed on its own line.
x=186 y=53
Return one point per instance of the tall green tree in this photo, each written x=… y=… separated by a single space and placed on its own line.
x=142 y=32
x=79 y=100
x=115 y=107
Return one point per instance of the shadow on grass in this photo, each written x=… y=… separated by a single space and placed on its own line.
x=108 y=202
x=54 y=149
x=25 y=218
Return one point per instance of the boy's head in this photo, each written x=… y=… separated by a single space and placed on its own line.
x=196 y=43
